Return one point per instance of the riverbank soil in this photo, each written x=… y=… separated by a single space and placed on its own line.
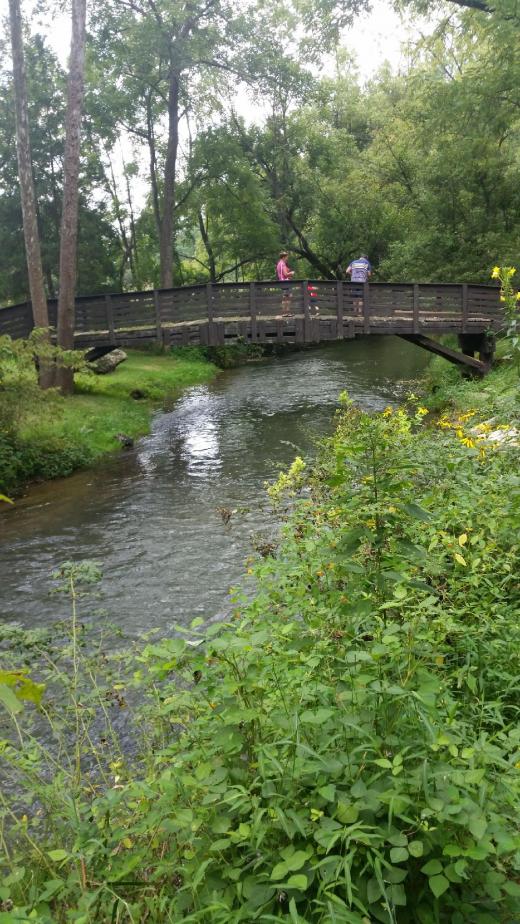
x=344 y=748
x=49 y=436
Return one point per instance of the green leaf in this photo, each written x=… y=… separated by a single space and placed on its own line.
x=383 y=762
x=432 y=868
x=316 y=717
x=418 y=513
x=512 y=888
x=328 y=792
x=9 y=699
x=477 y=825
x=296 y=861
x=299 y=882
x=438 y=885
x=374 y=891
x=58 y=855
x=398 y=854
x=280 y=871
x=416 y=848
x=347 y=814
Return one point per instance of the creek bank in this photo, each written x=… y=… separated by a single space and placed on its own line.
x=47 y=436
x=345 y=747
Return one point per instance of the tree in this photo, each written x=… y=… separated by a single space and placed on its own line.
x=28 y=198
x=71 y=165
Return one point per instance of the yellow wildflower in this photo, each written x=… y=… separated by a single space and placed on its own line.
x=495 y=273
x=422 y=411
x=388 y=411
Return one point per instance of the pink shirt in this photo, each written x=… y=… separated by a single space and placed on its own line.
x=282 y=271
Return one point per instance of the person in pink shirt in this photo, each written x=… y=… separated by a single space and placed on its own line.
x=284 y=275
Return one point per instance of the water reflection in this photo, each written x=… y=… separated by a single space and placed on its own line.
x=151 y=515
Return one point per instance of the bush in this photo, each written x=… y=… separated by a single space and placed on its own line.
x=345 y=749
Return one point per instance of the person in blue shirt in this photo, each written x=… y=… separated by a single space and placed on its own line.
x=359 y=271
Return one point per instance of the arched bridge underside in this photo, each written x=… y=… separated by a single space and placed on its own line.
x=295 y=312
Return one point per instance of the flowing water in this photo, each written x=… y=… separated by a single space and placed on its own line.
x=154 y=517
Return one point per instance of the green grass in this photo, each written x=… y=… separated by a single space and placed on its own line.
x=498 y=393
x=59 y=435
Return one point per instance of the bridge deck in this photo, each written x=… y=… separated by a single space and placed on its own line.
x=266 y=311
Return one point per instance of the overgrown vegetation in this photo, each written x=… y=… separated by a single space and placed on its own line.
x=344 y=749
x=43 y=435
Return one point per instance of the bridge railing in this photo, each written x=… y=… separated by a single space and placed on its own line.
x=374 y=307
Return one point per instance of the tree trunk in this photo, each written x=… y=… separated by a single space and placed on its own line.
x=27 y=193
x=203 y=226
x=69 y=215
x=153 y=165
x=170 y=170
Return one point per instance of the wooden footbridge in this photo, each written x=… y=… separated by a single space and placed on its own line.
x=295 y=312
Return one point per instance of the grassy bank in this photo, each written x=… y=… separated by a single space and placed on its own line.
x=47 y=436
x=344 y=749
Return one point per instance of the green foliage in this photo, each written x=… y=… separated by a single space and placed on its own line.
x=43 y=435
x=510 y=298
x=345 y=748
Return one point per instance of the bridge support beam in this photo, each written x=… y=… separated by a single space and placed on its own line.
x=466 y=360
x=483 y=344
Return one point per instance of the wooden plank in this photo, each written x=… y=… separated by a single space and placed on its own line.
x=464 y=307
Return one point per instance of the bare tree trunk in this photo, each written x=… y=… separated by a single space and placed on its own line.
x=153 y=165
x=170 y=170
x=69 y=215
x=27 y=194
x=203 y=226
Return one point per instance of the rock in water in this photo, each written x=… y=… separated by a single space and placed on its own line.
x=108 y=362
x=126 y=441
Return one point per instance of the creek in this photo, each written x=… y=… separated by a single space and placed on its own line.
x=154 y=516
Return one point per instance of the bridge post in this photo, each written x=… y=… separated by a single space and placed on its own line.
x=307 y=325
x=157 y=309
x=415 y=327
x=209 y=307
x=252 y=311
x=464 y=307
x=339 y=310
x=110 y=319
x=366 y=308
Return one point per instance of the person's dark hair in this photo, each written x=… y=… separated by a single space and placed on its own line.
x=364 y=256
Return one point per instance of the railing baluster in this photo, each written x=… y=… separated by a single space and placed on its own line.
x=339 y=309
x=157 y=310
x=110 y=319
x=366 y=308
x=252 y=310
x=464 y=307
x=416 y=325
x=209 y=306
x=306 y=311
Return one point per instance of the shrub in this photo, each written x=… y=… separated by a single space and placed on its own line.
x=344 y=749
